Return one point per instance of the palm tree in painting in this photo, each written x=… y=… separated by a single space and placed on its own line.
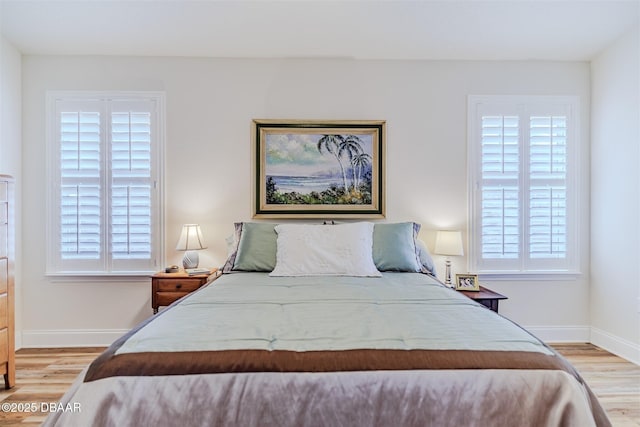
x=351 y=145
x=339 y=146
x=359 y=162
x=331 y=143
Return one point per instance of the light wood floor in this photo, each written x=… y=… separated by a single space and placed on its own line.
x=43 y=375
x=614 y=380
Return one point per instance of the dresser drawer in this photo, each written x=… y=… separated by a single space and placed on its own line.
x=4 y=271
x=4 y=212
x=3 y=241
x=181 y=285
x=4 y=309
x=4 y=345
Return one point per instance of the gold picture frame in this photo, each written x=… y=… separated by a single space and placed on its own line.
x=467 y=282
x=319 y=168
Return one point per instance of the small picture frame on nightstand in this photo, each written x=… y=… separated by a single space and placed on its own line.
x=467 y=282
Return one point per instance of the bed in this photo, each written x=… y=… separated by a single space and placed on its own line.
x=302 y=329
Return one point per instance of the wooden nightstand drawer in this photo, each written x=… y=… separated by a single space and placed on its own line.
x=179 y=285
x=168 y=298
x=166 y=288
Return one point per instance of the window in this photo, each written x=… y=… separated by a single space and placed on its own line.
x=105 y=189
x=522 y=157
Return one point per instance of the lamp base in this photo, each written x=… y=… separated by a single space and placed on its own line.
x=447 y=274
x=190 y=259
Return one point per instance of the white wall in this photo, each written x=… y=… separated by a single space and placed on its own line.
x=11 y=147
x=615 y=200
x=210 y=103
x=10 y=108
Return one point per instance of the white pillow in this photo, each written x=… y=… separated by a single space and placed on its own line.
x=321 y=250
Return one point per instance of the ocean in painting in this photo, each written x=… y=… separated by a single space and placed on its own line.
x=304 y=184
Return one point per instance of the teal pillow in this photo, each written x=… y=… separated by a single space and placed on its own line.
x=394 y=246
x=257 y=247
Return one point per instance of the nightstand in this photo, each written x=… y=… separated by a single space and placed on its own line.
x=486 y=297
x=169 y=287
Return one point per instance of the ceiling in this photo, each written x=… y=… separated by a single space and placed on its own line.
x=570 y=30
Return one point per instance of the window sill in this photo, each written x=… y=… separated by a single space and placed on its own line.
x=99 y=277
x=530 y=276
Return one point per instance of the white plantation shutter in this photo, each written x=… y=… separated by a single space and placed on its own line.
x=548 y=193
x=80 y=209
x=522 y=184
x=500 y=193
x=80 y=227
x=131 y=188
x=131 y=222
x=105 y=201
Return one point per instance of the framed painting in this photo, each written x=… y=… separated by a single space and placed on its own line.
x=319 y=169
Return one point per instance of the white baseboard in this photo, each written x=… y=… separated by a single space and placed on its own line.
x=616 y=345
x=551 y=334
x=70 y=338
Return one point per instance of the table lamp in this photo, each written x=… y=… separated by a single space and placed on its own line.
x=449 y=243
x=190 y=241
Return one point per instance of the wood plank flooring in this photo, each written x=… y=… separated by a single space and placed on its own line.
x=43 y=375
x=614 y=380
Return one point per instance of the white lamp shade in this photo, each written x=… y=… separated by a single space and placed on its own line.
x=449 y=243
x=190 y=238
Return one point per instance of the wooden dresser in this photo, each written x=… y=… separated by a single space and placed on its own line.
x=7 y=231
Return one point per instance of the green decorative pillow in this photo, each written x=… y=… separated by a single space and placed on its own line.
x=394 y=246
x=256 y=248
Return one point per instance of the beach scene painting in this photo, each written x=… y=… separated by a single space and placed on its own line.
x=312 y=169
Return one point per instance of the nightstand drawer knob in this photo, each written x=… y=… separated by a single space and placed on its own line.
x=178 y=285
